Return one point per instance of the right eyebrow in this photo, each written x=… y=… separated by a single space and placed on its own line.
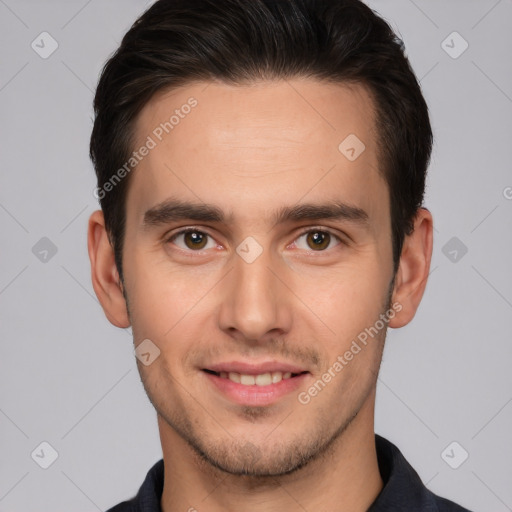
x=173 y=210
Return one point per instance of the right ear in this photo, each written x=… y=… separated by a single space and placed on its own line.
x=104 y=274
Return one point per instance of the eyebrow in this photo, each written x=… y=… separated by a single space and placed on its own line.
x=172 y=210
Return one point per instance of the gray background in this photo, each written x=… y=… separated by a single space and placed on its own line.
x=69 y=378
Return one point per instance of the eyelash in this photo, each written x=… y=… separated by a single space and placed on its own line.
x=313 y=229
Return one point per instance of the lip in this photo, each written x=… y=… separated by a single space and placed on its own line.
x=255 y=368
x=256 y=396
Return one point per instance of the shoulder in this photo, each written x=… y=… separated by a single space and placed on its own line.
x=148 y=497
x=444 y=505
x=403 y=489
x=125 y=506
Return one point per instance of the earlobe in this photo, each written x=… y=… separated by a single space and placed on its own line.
x=413 y=271
x=104 y=274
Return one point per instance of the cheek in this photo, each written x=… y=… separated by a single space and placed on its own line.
x=346 y=299
x=163 y=297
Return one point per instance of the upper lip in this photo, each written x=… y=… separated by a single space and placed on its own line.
x=247 y=368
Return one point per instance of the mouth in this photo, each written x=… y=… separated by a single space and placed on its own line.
x=261 y=379
x=255 y=385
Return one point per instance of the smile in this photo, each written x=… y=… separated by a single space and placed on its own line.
x=255 y=387
x=262 y=379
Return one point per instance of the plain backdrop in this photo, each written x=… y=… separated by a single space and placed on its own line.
x=68 y=378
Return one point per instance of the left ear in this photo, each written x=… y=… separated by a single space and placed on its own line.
x=413 y=271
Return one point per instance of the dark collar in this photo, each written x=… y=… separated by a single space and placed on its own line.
x=403 y=489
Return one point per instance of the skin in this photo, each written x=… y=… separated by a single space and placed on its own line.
x=293 y=303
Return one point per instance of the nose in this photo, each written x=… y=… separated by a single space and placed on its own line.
x=256 y=304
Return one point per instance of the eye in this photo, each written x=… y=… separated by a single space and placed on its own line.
x=191 y=239
x=318 y=240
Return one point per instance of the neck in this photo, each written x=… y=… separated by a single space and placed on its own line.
x=345 y=478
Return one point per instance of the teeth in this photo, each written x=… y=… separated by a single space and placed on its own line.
x=264 y=379
x=235 y=377
x=247 y=380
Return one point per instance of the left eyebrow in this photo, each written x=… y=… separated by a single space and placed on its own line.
x=334 y=210
x=173 y=210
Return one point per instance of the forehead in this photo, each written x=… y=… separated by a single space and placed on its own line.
x=264 y=143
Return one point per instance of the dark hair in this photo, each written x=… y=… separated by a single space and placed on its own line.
x=176 y=42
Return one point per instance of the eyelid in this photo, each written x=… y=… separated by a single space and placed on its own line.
x=169 y=237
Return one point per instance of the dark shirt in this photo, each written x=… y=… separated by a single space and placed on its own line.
x=403 y=489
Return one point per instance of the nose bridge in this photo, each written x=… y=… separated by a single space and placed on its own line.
x=256 y=303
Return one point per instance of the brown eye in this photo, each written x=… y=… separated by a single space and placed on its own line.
x=194 y=239
x=191 y=239
x=317 y=240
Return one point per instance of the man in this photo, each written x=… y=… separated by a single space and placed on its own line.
x=261 y=168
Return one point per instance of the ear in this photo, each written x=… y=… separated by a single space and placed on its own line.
x=104 y=274
x=413 y=271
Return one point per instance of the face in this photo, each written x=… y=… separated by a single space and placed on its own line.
x=256 y=251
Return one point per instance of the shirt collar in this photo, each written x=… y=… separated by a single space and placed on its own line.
x=403 y=489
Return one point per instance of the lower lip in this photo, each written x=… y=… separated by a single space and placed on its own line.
x=256 y=395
